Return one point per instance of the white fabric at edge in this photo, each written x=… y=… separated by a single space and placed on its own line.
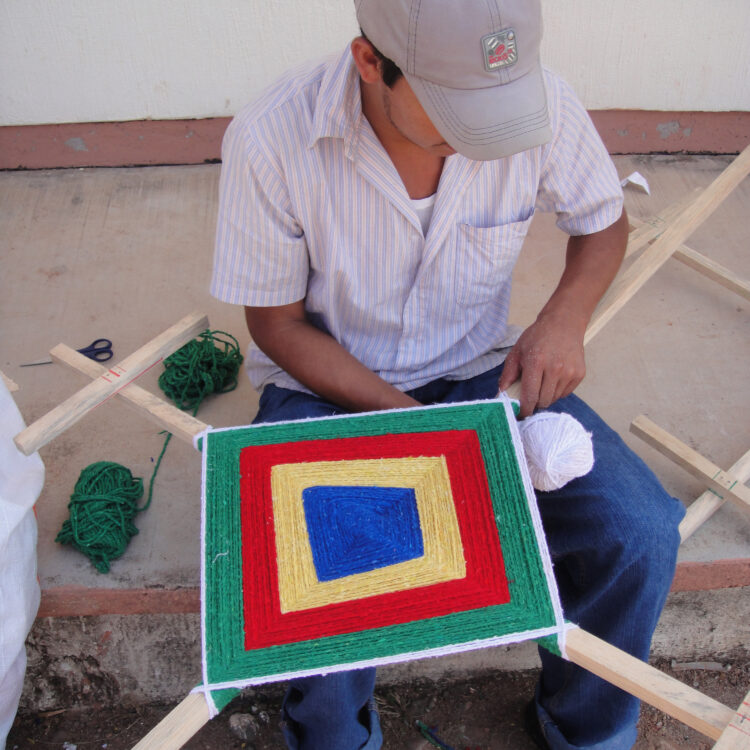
x=21 y=480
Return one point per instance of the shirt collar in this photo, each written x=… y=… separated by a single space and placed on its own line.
x=338 y=110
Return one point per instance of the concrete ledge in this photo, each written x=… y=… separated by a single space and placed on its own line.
x=75 y=601
x=639 y=131
x=717 y=574
x=112 y=144
x=80 y=601
x=161 y=142
x=103 y=660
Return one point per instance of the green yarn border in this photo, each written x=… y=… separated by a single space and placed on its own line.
x=530 y=606
x=222 y=698
x=550 y=643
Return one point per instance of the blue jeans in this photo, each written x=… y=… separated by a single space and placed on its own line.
x=613 y=539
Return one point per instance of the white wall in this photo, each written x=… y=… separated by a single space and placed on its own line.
x=652 y=54
x=101 y=60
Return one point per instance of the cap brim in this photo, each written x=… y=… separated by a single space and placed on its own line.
x=488 y=123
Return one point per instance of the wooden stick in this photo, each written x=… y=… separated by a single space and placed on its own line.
x=708 y=267
x=689 y=219
x=644 y=231
x=178 y=726
x=176 y=421
x=737 y=734
x=115 y=378
x=638 y=678
x=727 y=485
x=713 y=270
x=708 y=503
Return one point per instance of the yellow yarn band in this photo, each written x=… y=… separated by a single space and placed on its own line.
x=443 y=560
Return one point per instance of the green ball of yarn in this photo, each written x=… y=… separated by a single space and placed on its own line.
x=205 y=365
x=102 y=507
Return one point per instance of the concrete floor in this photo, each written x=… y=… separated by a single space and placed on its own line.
x=125 y=253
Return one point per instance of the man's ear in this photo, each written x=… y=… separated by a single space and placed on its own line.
x=367 y=62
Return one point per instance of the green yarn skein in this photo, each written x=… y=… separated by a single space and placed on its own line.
x=102 y=507
x=207 y=364
x=105 y=498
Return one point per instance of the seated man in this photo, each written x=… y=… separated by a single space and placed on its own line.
x=372 y=209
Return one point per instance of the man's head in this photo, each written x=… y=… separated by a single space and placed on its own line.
x=390 y=105
x=473 y=65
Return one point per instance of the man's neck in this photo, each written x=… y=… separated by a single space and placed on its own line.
x=419 y=169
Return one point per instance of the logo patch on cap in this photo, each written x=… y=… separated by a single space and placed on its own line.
x=500 y=49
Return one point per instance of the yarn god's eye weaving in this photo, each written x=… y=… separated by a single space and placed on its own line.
x=340 y=542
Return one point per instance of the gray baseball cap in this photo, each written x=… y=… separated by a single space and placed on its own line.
x=473 y=65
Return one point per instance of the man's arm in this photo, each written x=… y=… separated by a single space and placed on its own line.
x=318 y=361
x=549 y=355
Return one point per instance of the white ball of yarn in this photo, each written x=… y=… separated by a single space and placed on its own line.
x=558 y=449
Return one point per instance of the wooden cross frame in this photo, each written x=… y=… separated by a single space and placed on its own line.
x=666 y=233
x=722 y=485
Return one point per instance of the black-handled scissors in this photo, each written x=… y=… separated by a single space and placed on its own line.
x=99 y=350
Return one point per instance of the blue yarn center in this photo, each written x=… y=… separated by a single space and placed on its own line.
x=356 y=529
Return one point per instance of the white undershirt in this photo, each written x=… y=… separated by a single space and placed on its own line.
x=423 y=207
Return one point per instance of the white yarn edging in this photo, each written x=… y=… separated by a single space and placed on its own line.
x=212 y=710
x=379 y=662
x=206 y=692
x=459 y=648
x=561 y=640
x=536 y=521
x=357 y=415
x=200 y=436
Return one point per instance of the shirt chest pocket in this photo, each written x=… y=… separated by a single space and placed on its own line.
x=485 y=258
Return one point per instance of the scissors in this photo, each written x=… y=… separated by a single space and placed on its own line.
x=99 y=350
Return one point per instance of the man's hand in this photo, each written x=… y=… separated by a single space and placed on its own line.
x=549 y=355
x=549 y=360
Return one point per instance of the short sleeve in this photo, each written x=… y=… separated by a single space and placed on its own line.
x=579 y=182
x=260 y=255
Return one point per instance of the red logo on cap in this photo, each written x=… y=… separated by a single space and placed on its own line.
x=500 y=54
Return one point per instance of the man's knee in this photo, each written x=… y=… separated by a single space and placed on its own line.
x=652 y=541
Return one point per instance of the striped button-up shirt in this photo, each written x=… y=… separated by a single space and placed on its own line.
x=311 y=207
